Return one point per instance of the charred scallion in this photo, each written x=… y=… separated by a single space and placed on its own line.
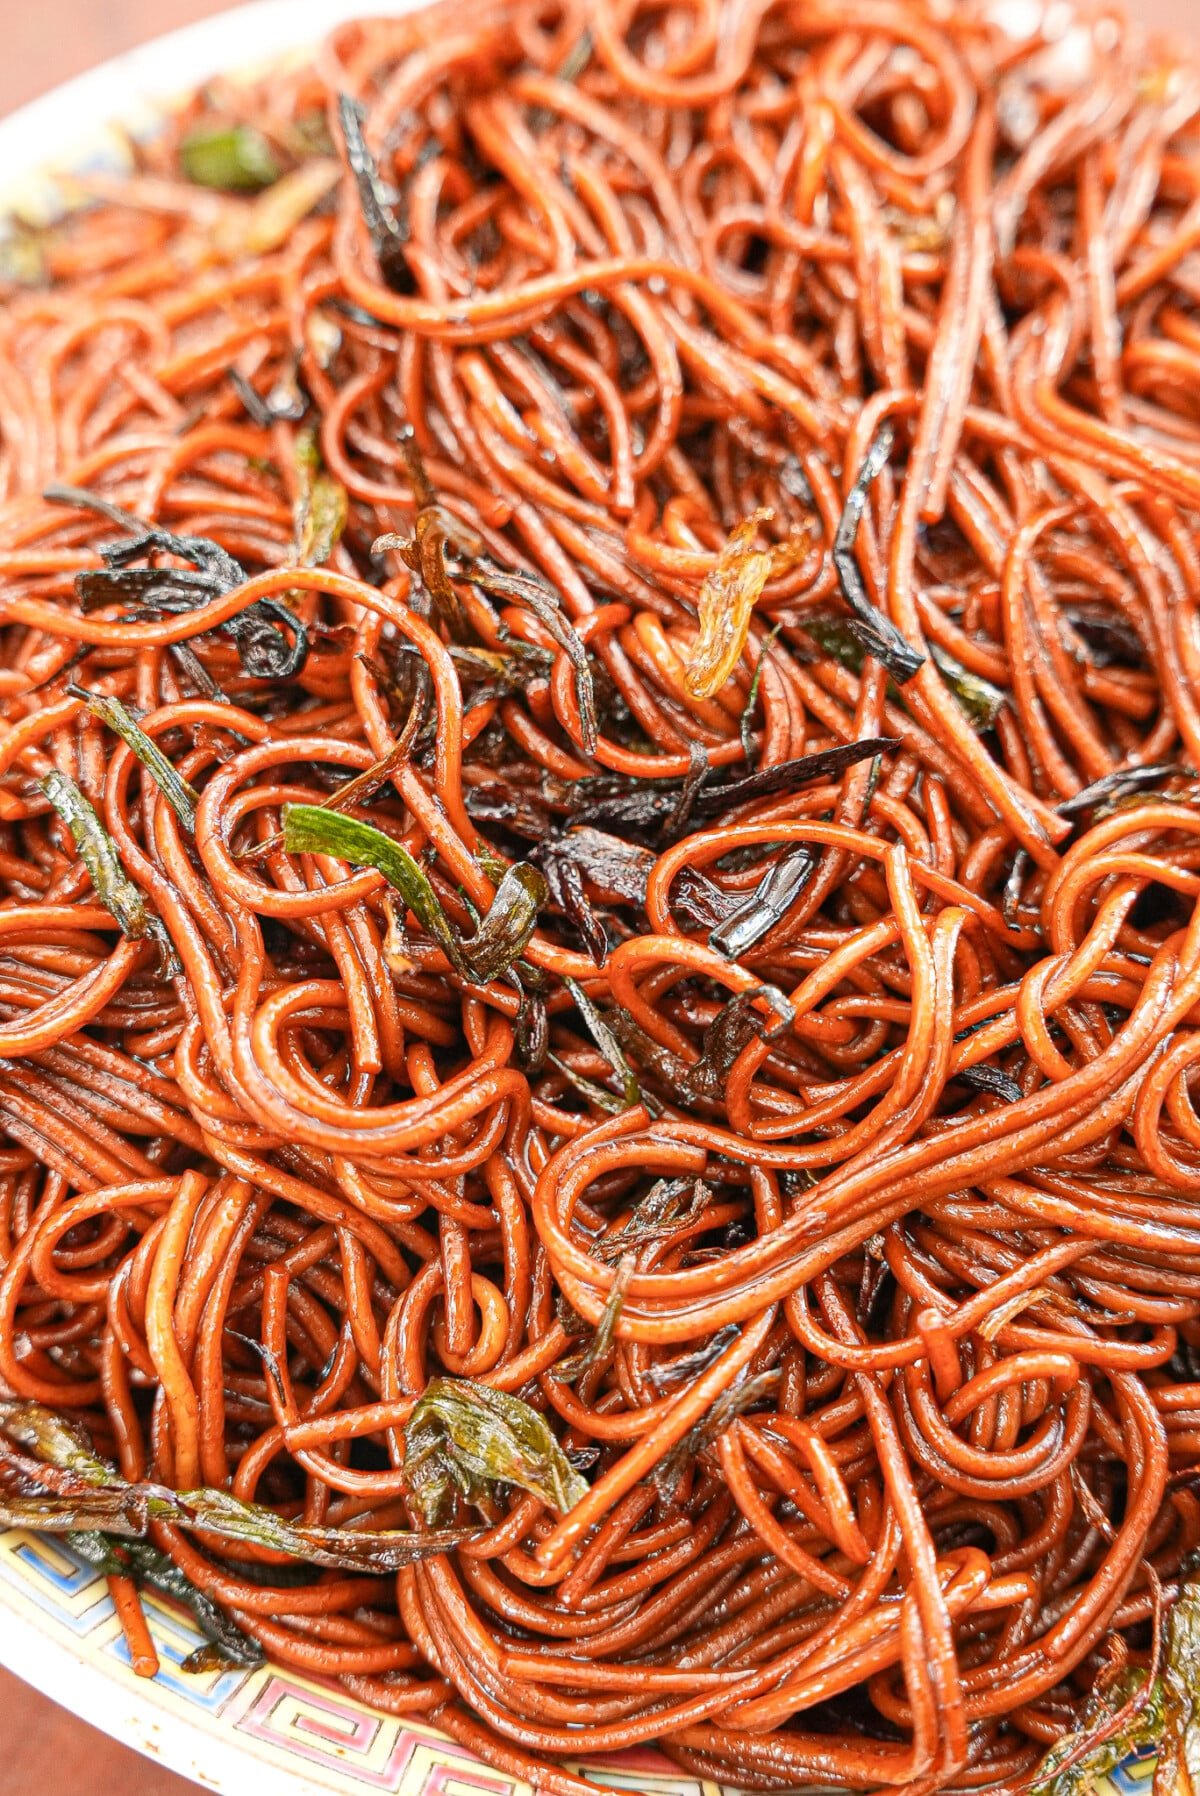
x=536 y=596
x=468 y=1439
x=98 y=852
x=503 y=934
x=566 y=887
x=672 y=1373
x=100 y=1500
x=386 y=227
x=979 y=698
x=603 y=1100
x=147 y=1566
x=607 y=1043
x=322 y=505
x=789 y=776
x=572 y=1370
x=507 y=928
x=991 y=1079
x=748 y=1390
x=612 y=864
x=768 y=904
x=702 y=1082
x=179 y=793
x=876 y=632
x=436 y=529
x=746 y=723
x=272 y=643
x=1113 y=787
x=669 y=1206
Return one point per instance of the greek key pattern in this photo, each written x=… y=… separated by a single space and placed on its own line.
x=313 y=1731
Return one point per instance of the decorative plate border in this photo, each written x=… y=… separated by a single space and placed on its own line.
x=268 y=1731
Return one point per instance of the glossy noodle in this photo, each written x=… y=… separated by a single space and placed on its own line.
x=600 y=844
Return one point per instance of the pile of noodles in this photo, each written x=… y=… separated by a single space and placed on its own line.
x=817 y=1164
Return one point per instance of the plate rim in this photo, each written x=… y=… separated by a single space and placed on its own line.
x=153 y=74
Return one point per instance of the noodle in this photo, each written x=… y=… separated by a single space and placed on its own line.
x=600 y=844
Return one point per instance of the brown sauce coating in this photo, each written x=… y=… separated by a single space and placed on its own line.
x=899 y=1417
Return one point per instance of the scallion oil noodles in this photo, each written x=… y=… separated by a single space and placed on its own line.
x=600 y=843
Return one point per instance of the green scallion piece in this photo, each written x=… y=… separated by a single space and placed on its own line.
x=233 y=158
x=502 y=936
x=103 y=1502
x=98 y=852
x=322 y=505
x=179 y=794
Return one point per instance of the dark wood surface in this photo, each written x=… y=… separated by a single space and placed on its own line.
x=43 y=1750
x=49 y=40
x=46 y=1752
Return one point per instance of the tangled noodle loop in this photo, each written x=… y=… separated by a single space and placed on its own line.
x=818 y=1151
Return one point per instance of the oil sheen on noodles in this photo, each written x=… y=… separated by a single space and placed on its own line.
x=600 y=848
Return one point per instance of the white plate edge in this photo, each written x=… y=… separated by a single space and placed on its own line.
x=160 y=71
x=90 y=1691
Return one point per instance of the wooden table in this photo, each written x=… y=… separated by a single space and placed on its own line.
x=49 y=40
x=46 y=1752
